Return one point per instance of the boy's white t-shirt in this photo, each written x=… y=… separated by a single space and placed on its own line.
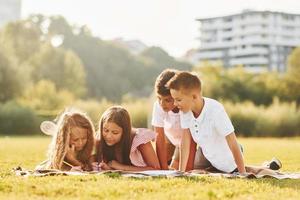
x=170 y=121
x=209 y=130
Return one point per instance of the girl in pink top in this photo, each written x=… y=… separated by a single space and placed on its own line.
x=120 y=147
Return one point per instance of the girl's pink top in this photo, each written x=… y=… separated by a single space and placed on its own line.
x=142 y=136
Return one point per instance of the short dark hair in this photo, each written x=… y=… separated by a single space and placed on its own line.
x=162 y=79
x=184 y=80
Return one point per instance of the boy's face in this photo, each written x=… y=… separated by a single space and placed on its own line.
x=183 y=100
x=166 y=102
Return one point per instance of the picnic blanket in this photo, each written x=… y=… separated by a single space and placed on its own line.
x=154 y=173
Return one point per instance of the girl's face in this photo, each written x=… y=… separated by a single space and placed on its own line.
x=78 y=138
x=111 y=133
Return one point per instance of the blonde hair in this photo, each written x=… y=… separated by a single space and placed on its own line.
x=61 y=138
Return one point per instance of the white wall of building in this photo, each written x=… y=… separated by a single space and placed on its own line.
x=258 y=39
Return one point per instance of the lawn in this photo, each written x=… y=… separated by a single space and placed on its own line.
x=27 y=152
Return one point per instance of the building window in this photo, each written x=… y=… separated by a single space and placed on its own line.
x=227 y=19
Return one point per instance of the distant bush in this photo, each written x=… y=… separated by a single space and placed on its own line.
x=139 y=111
x=18 y=120
x=238 y=85
x=45 y=97
x=93 y=108
x=278 y=119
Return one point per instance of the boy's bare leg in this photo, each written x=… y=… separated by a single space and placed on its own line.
x=200 y=161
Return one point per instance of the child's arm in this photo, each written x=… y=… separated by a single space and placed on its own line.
x=71 y=157
x=148 y=155
x=184 y=149
x=236 y=152
x=192 y=153
x=161 y=148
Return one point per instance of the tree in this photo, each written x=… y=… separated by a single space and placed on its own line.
x=10 y=79
x=294 y=63
x=62 y=67
x=81 y=58
x=45 y=96
x=22 y=39
x=162 y=60
x=291 y=83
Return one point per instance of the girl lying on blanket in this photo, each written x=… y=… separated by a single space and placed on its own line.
x=121 y=147
x=72 y=142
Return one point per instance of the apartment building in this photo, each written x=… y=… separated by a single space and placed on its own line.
x=256 y=40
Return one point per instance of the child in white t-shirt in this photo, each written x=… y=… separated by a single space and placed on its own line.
x=166 y=121
x=206 y=122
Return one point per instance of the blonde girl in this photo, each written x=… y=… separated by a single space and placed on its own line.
x=72 y=142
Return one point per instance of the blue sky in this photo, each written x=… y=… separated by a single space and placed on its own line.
x=170 y=24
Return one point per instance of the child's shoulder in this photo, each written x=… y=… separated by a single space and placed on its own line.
x=158 y=109
x=141 y=133
x=142 y=136
x=212 y=104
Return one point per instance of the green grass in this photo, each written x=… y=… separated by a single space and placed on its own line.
x=27 y=152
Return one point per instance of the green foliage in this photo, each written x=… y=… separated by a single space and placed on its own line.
x=291 y=84
x=27 y=44
x=161 y=60
x=237 y=85
x=111 y=71
x=138 y=109
x=62 y=67
x=10 y=78
x=139 y=112
x=294 y=62
x=17 y=119
x=21 y=39
x=45 y=97
x=276 y=120
x=93 y=108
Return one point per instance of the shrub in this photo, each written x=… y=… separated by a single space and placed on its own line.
x=278 y=119
x=18 y=120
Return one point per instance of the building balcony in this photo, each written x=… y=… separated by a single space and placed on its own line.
x=210 y=55
x=249 y=61
x=248 y=51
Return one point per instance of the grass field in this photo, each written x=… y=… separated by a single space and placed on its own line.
x=27 y=152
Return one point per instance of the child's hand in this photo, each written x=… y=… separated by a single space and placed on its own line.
x=104 y=166
x=115 y=164
x=76 y=169
x=71 y=153
x=96 y=166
